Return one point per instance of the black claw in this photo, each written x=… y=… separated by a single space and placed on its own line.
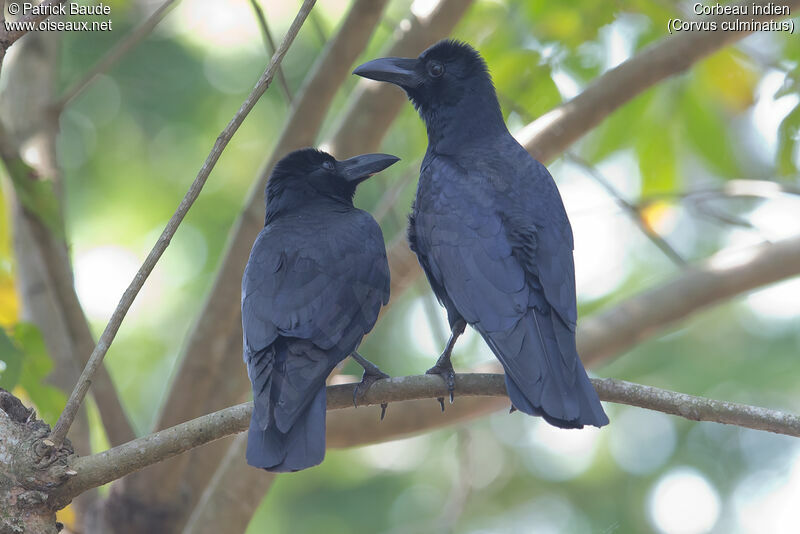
x=384 y=405
x=367 y=380
x=448 y=375
x=512 y=409
x=441 y=402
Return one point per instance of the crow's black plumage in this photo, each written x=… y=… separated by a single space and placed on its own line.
x=490 y=230
x=314 y=283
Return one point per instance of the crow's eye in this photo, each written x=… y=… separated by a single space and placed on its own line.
x=435 y=69
x=327 y=165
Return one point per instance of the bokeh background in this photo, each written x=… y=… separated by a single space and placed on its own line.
x=709 y=158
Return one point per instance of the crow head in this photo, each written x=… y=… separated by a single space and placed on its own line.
x=448 y=83
x=308 y=174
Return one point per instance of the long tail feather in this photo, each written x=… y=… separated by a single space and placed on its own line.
x=301 y=447
x=544 y=375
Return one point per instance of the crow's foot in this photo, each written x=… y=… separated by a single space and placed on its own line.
x=371 y=375
x=444 y=369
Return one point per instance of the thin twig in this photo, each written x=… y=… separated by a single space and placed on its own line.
x=112 y=464
x=732 y=188
x=631 y=209
x=103 y=344
x=700 y=200
x=269 y=43
x=115 y=54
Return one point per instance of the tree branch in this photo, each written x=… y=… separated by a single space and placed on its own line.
x=768 y=264
x=103 y=344
x=549 y=135
x=352 y=428
x=114 y=463
x=269 y=43
x=115 y=54
x=726 y=275
x=697 y=408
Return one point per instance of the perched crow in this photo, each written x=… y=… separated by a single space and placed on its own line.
x=316 y=278
x=492 y=235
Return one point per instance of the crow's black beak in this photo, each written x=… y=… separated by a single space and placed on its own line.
x=397 y=70
x=362 y=167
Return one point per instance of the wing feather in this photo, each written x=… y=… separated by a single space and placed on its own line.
x=318 y=286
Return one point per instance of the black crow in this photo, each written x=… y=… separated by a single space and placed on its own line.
x=491 y=233
x=314 y=283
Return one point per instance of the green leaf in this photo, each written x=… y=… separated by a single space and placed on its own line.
x=568 y=23
x=708 y=133
x=730 y=79
x=657 y=160
x=36 y=365
x=523 y=79
x=35 y=194
x=620 y=130
x=11 y=357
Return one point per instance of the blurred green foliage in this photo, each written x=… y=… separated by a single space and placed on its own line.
x=11 y=356
x=36 y=366
x=130 y=145
x=26 y=365
x=36 y=194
